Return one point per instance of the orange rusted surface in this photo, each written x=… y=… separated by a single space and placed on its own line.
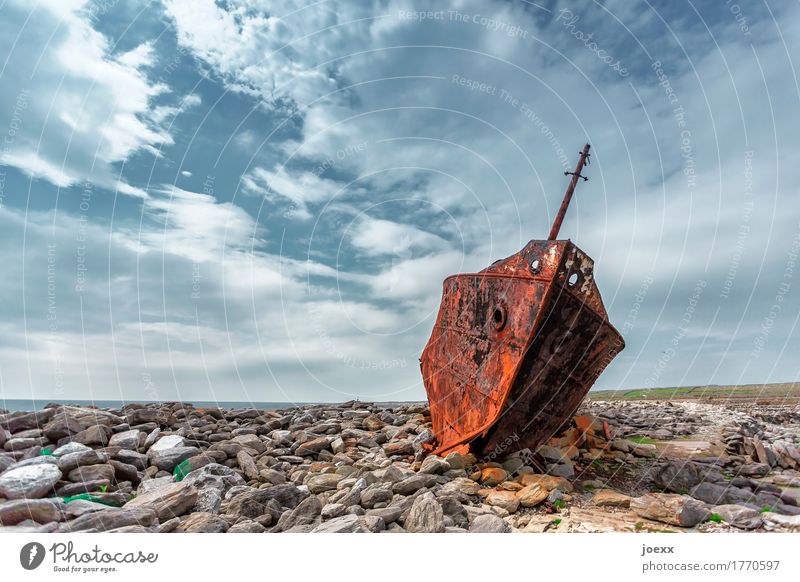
x=515 y=348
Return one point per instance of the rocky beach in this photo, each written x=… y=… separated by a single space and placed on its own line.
x=646 y=466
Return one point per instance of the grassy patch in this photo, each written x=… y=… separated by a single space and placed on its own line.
x=715 y=517
x=766 y=509
x=642 y=440
x=556 y=521
x=559 y=504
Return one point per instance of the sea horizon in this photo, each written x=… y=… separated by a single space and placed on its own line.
x=30 y=405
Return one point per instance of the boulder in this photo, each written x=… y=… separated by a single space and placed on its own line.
x=97 y=435
x=680 y=510
x=109 y=519
x=39 y=510
x=610 y=498
x=677 y=476
x=345 y=524
x=531 y=495
x=129 y=439
x=425 y=516
x=507 y=500
x=29 y=482
x=169 y=501
x=489 y=523
x=323 y=482
x=739 y=516
x=492 y=476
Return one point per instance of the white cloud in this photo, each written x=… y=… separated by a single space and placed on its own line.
x=299 y=188
x=84 y=108
x=373 y=236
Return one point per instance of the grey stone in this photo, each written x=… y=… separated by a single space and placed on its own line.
x=110 y=519
x=97 y=434
x=323 y=482
x=489 y=523
x=344 y=524
x=739 y=516
x=29 y=482
x=16 y=422
x=202 y=522
x=677 y=476
x=306 y=513
x=169 y=441
x=71 y=461
x=426 y=515
x=129 y=439
x=168 y=458
x=38 y=510
x=71 y=447
x=91 y=473
x=714 y=494
x=411 y=484
x=434 y=465
x=169 y=501
x=680 y=510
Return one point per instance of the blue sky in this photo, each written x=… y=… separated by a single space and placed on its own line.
x=252 y=201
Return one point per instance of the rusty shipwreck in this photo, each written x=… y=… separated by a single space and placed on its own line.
x=516 y=346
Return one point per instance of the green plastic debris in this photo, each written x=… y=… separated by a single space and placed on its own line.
x=182 y=469
x=45 y=452
x=90 y=497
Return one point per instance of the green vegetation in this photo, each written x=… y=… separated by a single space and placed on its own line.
x=766 y=509
x=641 y=440
x=783 y=391
x=559 y=504
x=715 y=517
x=556 y=521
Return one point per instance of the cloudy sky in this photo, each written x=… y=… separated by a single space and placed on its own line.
x=258 y=201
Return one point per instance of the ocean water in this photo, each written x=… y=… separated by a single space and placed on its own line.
x=14 y=405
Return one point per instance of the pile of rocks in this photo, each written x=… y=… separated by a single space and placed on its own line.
x=354 y=467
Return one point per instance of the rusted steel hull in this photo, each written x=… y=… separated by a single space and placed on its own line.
x=515 y=349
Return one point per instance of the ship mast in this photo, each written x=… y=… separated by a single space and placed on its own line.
x=582 y=161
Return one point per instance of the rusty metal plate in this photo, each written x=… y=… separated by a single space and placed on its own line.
x=515 y=348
